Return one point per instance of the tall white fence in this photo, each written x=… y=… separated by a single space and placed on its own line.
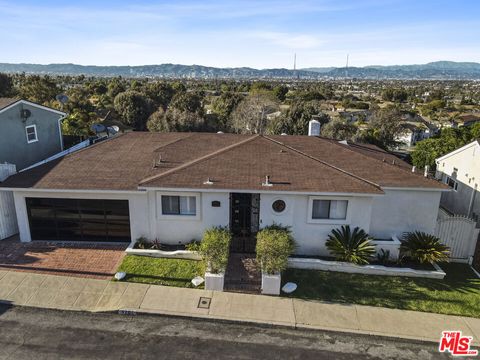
x=8 y=217
x=460 y=234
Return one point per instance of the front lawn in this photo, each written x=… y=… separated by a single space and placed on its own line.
x=457 y=294
x=161 y=271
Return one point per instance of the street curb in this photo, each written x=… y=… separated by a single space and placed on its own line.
x=338 y=331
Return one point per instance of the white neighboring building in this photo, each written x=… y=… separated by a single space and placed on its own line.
x=173 y=186
x=460 y=170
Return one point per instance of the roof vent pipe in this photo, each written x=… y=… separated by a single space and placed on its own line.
x=267 y=181
x=313 y=128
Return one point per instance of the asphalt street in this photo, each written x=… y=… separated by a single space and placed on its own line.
x=29 y=333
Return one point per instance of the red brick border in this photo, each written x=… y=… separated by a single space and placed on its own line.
x=71 y=259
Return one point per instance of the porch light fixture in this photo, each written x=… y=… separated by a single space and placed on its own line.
x=267 y=181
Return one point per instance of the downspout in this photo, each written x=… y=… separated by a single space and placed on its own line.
x=472 y=199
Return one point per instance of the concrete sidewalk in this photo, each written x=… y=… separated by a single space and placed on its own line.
x=70 y=293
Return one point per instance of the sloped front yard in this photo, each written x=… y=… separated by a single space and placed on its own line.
x=457 y=294
x=161 y=271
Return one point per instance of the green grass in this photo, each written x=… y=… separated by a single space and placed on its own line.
x=161 y=271
x=457 y=294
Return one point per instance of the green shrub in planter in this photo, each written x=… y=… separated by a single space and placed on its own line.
x=423 y=248
x=215 y=248
x=351 y=246
x=274 y=245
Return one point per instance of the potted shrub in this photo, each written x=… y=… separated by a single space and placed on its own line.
x=423 y=248
x=351 y=246
x=215 y=248
x=274 y=245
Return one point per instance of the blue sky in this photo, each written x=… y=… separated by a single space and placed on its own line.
x=227 y=33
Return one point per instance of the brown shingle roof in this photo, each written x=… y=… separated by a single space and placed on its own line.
x=294 y=163
x=355 y=160
x=4 y=102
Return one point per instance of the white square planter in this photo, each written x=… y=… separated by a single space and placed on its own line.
x=271 y=284
x=214 y=281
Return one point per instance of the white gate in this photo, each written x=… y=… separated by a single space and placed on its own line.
x=460 y=234
x=8 y=216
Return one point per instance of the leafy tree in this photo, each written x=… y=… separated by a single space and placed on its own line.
x=6 y=85
x=78 y=123
x=280 y=92
x=295 y=121
x=449 y=139
x=395 y=95
x=39 y=89
x=157 y=122
x=260 y=86
x=384 y=128
x=175 y=120
x=187 y=101
x=161 y=93
x=339 y=129
x=250 y=116
x=134 y=108
x=224 y=105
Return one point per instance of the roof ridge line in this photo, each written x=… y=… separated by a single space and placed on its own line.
x=325 y=163
x=378 y=160
x=219 y=151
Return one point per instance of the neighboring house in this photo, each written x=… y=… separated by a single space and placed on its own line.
x=460 y=170
x=467 y=120
x=173 y=186
x=29 y=132
x=412 y=134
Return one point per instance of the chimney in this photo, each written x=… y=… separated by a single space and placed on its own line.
x=313 y=128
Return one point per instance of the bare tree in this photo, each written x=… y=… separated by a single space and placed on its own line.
x=250 y=116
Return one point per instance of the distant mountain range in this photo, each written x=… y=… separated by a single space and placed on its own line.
x=434 y=70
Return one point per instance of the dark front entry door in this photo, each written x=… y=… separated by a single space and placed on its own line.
x=243 y=221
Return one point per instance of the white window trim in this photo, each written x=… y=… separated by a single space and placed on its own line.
x=26 y=133
x=455 y=183
x=311 y=220
x=162 y=216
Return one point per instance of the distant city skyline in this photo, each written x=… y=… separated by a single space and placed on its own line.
x=259 y=34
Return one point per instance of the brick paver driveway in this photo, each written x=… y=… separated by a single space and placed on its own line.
x=72 y=259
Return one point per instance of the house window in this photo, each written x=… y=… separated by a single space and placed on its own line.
x=329 y=209
x=179 y=205
x=279 y=206
x=451 y=182
x=31 y=132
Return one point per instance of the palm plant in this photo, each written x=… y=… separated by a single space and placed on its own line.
x=351 y=246
x=423 y=248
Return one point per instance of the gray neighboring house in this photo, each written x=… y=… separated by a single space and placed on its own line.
x=29 y=132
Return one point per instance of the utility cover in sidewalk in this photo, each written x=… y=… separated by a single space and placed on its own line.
x=204 y=302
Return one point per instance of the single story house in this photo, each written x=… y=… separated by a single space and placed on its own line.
x=173 y=186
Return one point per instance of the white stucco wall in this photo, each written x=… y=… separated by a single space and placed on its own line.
x=399 y=211
x=137 y=201
x=310 y=237
x=171 y=229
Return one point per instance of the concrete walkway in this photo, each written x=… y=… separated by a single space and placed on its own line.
x=70 y=293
